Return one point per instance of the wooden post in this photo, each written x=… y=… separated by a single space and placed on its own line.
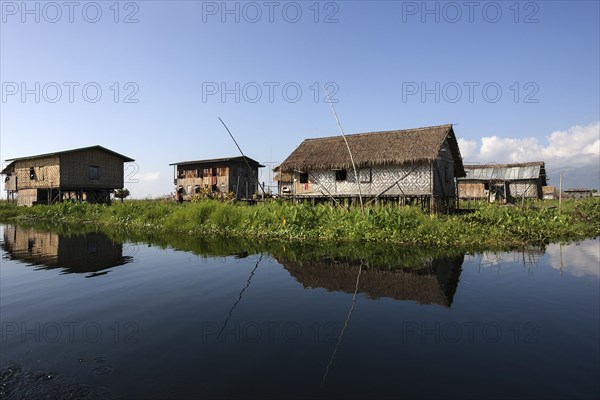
x=457 y=196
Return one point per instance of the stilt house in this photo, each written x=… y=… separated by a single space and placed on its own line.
x=405 y=166
x=86 y=174
x=238 y=175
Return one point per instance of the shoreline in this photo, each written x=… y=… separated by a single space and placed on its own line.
x=489 y=227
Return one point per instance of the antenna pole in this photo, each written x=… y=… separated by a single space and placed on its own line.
x=245 y=159
x=362 y=207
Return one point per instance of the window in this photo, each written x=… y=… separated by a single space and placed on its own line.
x=304 y=177
x=94 y=172
x=340 y=175
x=448 y=174
x=365 y=175
x=31 y=173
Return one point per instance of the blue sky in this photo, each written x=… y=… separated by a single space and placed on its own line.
x=171 y=68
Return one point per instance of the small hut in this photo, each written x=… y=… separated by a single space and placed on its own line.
x=578 y=193
x=549 y=193
x=238 y=175
x=405 y=166
x=503 y=182
x=85 y=174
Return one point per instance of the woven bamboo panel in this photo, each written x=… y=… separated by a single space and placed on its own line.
x=75 y=170
x=46 y=173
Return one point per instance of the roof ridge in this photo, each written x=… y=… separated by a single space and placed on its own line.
x=59 y=152
x=376 y=132
x=217 y=159
x=504 y=165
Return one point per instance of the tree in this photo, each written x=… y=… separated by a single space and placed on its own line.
x=121 y=194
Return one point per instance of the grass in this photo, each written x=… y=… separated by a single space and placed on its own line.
x=488 y=226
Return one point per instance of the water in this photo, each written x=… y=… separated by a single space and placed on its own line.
x=89 y=317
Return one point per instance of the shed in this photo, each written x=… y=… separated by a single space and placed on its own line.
x=579 y=193
x=549 y=192
x=502 y=182
x=85 y=174
x=409 y=166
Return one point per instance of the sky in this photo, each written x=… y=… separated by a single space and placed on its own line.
x=520 y=81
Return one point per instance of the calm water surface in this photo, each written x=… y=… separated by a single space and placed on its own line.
x=89 y=317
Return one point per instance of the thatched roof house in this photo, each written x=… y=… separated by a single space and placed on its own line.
x=409 y=164
x=503 y=181
x=85 y=174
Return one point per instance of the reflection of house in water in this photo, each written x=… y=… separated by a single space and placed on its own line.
x=433 y=285
x=89 y=253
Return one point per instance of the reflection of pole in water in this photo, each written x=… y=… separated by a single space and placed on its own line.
x=240 y=298
x=346 y=323
x=561 y=259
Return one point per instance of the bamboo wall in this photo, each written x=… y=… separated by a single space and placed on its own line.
x=75 y=173
x=232 y=177
x=530 y=189
x=413 y=180
x=472 y=190
x=46 y=169
x=27 y=197
x=199 y=176
x=10 y=183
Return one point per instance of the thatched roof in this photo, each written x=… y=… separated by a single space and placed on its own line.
x=283 y=176
x=374 y=149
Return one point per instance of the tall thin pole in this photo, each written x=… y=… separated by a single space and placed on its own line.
x=560 y=194
x=362 y=207
x=245 y=159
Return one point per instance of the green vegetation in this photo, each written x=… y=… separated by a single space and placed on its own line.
x=489 y=226
x=121 y=193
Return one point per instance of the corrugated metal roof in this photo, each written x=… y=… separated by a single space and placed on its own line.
x=218 y=160
x=97 y=147
x=503 y=173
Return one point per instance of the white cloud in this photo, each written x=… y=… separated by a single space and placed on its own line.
x=144 y=185
x=575 y=147
x=148 y=176
x=468 y=148
x=580 y=259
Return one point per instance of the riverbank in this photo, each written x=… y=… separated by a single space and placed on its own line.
x=488 y=226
